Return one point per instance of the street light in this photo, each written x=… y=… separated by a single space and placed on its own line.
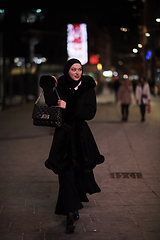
x=99 y=66
x=147 y=34
x=123 y=29
x=38 y=10
x=135 y=50
x=108 y=73
x=125 y=76
x=157 y=19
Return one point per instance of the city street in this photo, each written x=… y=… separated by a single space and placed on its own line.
x=128 y=207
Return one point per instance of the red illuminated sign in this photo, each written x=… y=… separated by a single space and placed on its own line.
x=93 y=59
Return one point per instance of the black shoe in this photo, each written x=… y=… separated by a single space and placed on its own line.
x=70 y=227
x=76 y=215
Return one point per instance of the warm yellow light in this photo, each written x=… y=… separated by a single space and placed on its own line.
x=120 y=62
x=99 y=66
x=123 y=29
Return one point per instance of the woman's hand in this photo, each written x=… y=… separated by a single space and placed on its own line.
x=61 y=104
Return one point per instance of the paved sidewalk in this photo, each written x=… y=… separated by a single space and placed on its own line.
x=128 y=207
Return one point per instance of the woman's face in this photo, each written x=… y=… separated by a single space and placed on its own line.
x=75 y=71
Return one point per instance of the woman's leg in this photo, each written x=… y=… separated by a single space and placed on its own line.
x=143 y=111
x=123 y=111
x=68 y=197
x=68 y=202
x=127 y=111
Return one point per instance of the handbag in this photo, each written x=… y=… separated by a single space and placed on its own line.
x=45 y=115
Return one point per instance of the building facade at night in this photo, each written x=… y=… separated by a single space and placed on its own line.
x=33 y=41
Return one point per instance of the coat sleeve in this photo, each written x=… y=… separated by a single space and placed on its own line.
x=50 y=96
x=47 y=82
x=87 y=110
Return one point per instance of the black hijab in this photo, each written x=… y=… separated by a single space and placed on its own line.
x=70 y=82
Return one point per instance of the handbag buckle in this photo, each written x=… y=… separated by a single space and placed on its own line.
x=45 y=116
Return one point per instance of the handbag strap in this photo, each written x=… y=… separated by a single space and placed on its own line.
x=54 y=89
x=57 y=93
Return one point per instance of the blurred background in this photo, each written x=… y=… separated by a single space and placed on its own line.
x=119 y=39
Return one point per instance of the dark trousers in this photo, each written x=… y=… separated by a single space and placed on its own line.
x=125 y=111
x=73 y=187
x=143 y=110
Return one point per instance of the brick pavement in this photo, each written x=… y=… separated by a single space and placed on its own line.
x=128 y=207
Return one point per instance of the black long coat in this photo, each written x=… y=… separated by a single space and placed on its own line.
x=73 y=143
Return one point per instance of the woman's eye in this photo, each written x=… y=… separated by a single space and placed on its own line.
x=74 y=69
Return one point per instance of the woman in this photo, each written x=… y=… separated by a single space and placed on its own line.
x=124 y=97
x=142 y=96
x=73 y=153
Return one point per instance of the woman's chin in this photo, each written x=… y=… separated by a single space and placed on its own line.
x=76 y=79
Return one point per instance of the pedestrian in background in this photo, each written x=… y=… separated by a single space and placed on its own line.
x=142 y=96
x=124 y=97
x=116 y=86
x=74 y=153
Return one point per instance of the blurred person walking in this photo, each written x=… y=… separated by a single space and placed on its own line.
x=116 y=86
x=124 y=97
x=74 y=153
x=142 y=96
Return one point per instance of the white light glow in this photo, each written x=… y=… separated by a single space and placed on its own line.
x=39 y=60
x=147 y=34
x=107 y=73
x=16 y=60
x=157 y=19
x=115 y=74
x=135 y=50
x=38 y=10
x=2 y=11
x=125 y=76
x=77 y=46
